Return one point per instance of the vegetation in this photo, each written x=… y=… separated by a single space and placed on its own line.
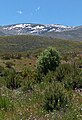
x=50 y=89
x=48 y=61
x=30 y=43
x=56 y=97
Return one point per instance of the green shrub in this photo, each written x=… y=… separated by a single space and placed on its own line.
x=28 y=79
x=13 y=80
x=62 y=71
x=48 y=61
x=27 y=86
x=74 y=80
x=39 y=77
x=49 y=77
x=56 y=97
x=5 y=103
x=27 y=73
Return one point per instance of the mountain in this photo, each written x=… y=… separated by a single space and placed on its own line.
x=73 y=34
x=1 y=32
x=49 y=30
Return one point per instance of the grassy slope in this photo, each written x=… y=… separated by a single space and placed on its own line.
x=33 y=44
x=28 y=105
x=26 y=43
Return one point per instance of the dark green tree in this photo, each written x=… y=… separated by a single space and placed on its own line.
x=48 y=61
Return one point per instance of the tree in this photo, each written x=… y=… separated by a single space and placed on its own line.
x=48 y=61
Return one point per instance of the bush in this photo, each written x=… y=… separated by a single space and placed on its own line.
x=62 y=71
x=27 y=73
x=49 y=77
x=13 y=80
x=5 y=103
x=28 y=79
x=48 y=61
x=56 y=97
x=27 y=86
x=74 y=80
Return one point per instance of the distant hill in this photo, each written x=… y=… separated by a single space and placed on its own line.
x=49 y=30
x=24 y=43
x=2 y=33
x=75 y=34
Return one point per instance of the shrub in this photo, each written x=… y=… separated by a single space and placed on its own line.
x=48 y=61
x=5 y=103
x=26 y=73
x=49 y=77
x=27 y=86
x=39 y=77
x=13 y=80
x=28 y=79
x=74 y=80
x=56 y=97
x=62 y=71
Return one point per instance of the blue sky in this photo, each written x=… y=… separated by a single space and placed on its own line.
x=66 y=12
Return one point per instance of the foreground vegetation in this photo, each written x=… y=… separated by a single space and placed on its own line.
x=41 y=84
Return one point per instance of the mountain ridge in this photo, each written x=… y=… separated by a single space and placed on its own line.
x=49 y=30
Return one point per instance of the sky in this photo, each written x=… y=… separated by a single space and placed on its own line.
x=66 y=12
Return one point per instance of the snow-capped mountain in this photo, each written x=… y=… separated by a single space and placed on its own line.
x=23 y=29
x=49 y=30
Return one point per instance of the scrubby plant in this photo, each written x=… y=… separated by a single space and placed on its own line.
x=39 y=77
x=29 y=77
x=13 y=80
x=48 y=61
x=56 y=97
x=62 y=71
x=5 y=103
x=27 y=86
x=74 y=80
x=50 y=77
x=27 y=73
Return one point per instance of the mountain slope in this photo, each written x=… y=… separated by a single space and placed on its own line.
x=75 y=34
x=22 y=29
x=24 y=43
x=50 y=30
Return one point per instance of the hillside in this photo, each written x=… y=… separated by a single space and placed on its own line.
x=75 y=34
x=26 y=92
x=30 y=43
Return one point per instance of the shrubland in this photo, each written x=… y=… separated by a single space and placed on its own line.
x=44 y=84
